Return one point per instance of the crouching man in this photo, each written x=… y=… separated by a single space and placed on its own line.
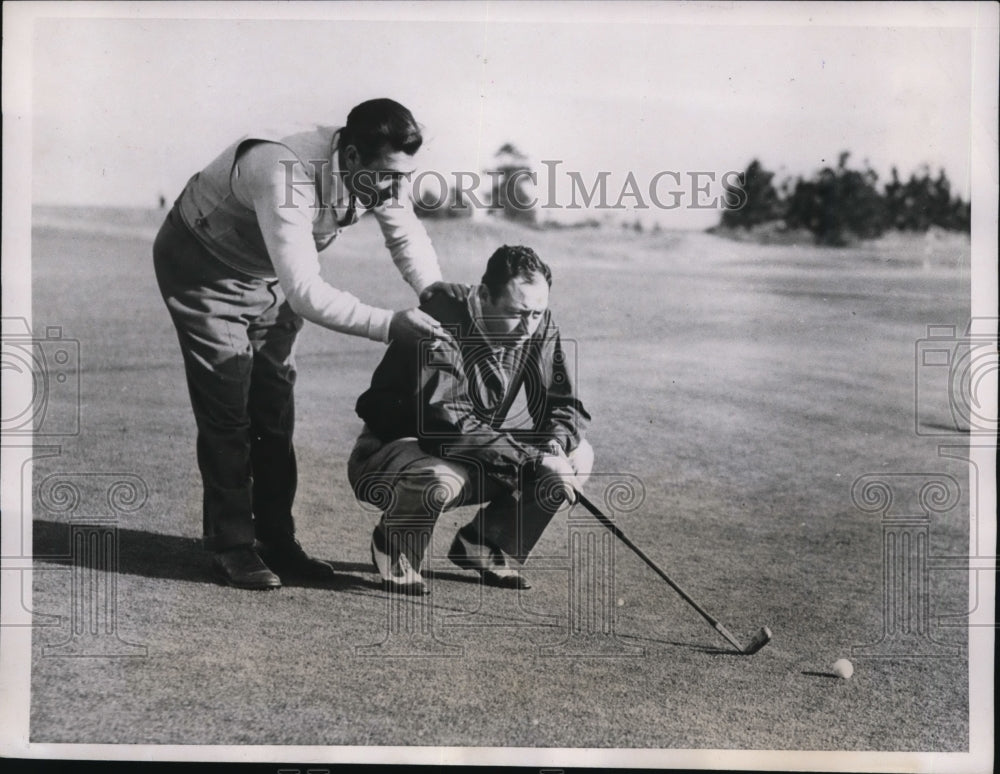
x=435 y=435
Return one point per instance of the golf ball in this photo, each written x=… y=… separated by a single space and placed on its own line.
x=621 y=602
x=843 y=668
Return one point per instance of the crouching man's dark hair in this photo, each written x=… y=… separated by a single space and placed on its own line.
x=508 y=263
x=379 y=122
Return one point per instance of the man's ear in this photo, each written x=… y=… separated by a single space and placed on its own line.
x=352 y=157
x=484 y=294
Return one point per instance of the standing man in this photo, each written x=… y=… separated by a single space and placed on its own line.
x=436 y=430
x=238 y=267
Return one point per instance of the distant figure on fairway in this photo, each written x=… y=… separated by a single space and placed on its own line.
x=238 y=267
x=434 y=435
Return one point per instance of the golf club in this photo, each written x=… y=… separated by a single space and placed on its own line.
x=759 y=640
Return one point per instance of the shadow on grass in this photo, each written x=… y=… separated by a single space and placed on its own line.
x=460 y=576
x=172 y=557
x=707 y=649
x=829 y=675
x=453 y=575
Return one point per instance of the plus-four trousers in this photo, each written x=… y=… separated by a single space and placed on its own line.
x=412 y=488
x=237 y=336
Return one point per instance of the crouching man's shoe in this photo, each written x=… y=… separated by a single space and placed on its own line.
x=490 y=563
x=243 y=568
x=290 y=560
x=397 y=573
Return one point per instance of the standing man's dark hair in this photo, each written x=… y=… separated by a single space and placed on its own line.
x=508 y=263
x=379 y=122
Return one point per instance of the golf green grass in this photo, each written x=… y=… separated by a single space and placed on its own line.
x=746 y=387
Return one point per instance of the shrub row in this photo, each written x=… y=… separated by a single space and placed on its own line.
x=838 y=205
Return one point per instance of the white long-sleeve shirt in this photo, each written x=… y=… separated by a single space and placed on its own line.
x=286 y=217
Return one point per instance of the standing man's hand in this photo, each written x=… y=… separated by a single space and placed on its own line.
x=413 y=325
x=456 y=290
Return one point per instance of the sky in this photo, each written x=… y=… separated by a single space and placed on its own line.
x=125 y=109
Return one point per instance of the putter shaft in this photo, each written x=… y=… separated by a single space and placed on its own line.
x=616 y=531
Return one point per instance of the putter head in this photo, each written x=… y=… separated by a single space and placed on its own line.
x=760 y=639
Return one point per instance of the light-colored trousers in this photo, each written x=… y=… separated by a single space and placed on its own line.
x=413 y=488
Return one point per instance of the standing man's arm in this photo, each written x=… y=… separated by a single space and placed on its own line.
x=285 y=215
x=407 y=241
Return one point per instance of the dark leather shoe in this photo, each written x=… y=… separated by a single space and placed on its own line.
x=490 y=563
x=506 y=578
x=289 y=559
x=243 y=568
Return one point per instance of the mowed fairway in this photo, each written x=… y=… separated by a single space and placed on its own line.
x=746 y=387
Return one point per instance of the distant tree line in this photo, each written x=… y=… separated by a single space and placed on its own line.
x=840 y=204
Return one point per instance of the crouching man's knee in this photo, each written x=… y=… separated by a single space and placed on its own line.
x=422 y=489
x=399 y=477
x=430 y=488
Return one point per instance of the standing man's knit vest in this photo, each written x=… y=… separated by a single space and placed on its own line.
x=229 y=230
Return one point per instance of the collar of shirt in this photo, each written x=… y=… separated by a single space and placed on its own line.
x=334 y=189
x=332 y=185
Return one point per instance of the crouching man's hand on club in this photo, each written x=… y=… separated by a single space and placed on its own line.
x=556 y=471
x=413 y=325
